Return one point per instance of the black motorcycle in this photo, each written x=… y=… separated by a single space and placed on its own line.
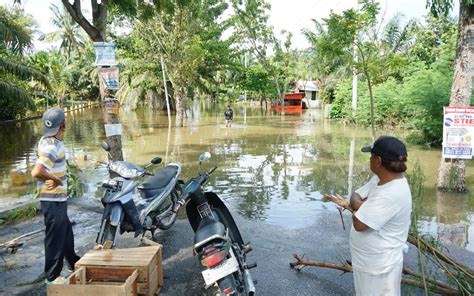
x=217 y=240
x=152 y=208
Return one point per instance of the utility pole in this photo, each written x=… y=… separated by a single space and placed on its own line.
x=245 y=65
x=166 y=91
x=354 y=75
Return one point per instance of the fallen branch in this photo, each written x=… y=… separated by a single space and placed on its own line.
x=15 y=243
x=435 y=252
x=342 y=202
x=437 y=286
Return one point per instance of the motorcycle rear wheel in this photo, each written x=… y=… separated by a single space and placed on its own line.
x=167 y=216
x=228 y=282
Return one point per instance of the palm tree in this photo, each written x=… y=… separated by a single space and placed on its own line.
x=15 y=39
x=69 y=32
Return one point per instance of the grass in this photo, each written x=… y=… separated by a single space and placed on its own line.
x=20 y=214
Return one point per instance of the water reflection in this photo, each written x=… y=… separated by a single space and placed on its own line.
x=271 y=168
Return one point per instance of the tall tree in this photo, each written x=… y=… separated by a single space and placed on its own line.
x=451 y=173
x=253 y=32
x=68 y=32
x=188 y=36
x=16 y=31
x=97 y=33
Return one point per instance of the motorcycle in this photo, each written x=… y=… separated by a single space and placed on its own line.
x=217 y=241
x=151 y=209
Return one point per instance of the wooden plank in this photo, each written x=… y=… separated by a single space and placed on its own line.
x=95 y=273
x=90 y=286
x=153 y=282
x=74 y=290
x=142 y=271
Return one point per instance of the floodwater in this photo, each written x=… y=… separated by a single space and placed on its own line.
x=271 y=168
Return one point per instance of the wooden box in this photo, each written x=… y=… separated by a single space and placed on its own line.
x=146 y=260
x=97 y=281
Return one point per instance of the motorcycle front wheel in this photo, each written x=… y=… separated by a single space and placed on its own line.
x=109 y=233
x=167 y=216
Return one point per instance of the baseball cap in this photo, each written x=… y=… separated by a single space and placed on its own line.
x=52 y=119
x=387 y=147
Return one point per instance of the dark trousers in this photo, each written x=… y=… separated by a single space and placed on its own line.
x=59 y=240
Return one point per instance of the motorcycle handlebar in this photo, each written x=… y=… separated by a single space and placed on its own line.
x=212 y=170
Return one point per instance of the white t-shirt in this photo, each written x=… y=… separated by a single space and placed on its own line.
x=387 y=212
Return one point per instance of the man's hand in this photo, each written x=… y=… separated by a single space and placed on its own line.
x=53 y=183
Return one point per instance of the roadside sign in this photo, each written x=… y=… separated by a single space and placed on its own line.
x=109 y=77
x=458 y=132
x=104 y=54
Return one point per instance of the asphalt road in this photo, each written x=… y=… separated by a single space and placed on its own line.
x=273 y=250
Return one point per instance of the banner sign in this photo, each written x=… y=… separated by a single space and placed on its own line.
x=112 y=106
x=458 y=132
x=113 y=129
x=109 y=77
x=104 y=54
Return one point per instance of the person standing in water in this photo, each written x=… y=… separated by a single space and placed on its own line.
x=229 y=116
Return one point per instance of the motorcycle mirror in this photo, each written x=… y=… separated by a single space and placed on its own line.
x=105 y=146
x=156 y=160
x=204 y=157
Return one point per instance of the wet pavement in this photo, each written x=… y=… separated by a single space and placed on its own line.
x=273 y=249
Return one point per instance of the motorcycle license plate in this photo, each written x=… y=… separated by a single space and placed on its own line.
x=227 y=267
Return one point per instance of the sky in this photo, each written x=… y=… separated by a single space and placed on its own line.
x=292 y=16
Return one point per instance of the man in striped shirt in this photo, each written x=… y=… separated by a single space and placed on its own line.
x=50 y=170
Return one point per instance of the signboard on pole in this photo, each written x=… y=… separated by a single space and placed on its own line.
x=458 y=132
x=109 y=76
x=104 y=54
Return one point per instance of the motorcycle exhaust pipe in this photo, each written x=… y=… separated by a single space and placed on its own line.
x=249 y=283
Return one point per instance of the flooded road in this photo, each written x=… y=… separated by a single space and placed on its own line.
x=271 y=169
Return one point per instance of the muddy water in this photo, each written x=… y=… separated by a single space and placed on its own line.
x=270 y=168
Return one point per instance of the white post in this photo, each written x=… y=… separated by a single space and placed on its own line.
x=166 y=91
x=245 y=64
x=354 y=74
x=351 y=167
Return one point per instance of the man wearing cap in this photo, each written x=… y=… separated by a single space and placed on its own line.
x=50 y=170
x=381 y=219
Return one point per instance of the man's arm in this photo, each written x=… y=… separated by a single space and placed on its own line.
x=356 y=201
x=358 y=225
x=40 y=172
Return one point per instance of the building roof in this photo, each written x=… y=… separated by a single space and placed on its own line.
x=305 y=85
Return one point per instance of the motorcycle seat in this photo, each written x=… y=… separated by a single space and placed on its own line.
x=157 y=184
x=207 y=229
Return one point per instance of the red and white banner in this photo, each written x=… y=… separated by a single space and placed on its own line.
x=458 y=132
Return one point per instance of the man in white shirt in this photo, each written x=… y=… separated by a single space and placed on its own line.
x=381 y=219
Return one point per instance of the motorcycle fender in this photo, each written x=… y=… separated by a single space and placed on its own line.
x=116 y=214
x=224 y=216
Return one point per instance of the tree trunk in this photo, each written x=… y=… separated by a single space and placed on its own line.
x=96 y=31
x=451 y=173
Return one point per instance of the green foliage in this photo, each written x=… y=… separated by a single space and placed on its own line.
x=22 y=213
x=68 y=32
x=416 y=179
x=75 y=183
x=16 y=73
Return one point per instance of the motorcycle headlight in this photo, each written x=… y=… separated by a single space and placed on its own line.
x=123 y=171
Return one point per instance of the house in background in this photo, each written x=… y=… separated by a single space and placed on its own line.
x=310 y=90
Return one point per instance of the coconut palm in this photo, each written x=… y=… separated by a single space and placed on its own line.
x=15 y=39
x=68 y=32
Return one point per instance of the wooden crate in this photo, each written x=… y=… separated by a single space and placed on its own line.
x=97 y=281
x=146 y=260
